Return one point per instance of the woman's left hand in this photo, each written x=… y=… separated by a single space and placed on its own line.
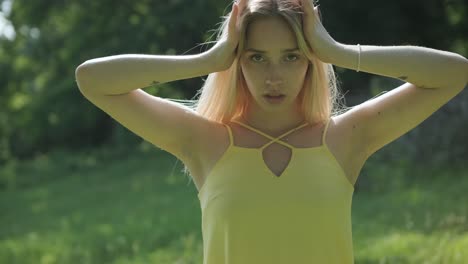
x=321 y=43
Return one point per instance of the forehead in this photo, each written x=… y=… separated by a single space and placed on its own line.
x=270 y=34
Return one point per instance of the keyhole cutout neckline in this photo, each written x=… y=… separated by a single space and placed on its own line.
x=277 y=140
x=273 y=139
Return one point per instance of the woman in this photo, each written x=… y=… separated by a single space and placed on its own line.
x=273 y=156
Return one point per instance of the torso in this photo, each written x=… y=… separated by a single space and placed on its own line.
x=276 y=156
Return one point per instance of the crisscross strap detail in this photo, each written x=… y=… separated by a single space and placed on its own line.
x=231 y=140
x=325 y=131
x=273 y=140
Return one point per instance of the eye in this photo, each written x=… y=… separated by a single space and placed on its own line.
x=253 y=56
x=294 y=55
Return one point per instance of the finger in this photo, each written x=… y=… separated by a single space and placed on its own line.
x=308 y=7
x=317 y=13
x=233 y=17
x=241 y=4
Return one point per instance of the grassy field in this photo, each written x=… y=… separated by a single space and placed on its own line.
x=119 y=207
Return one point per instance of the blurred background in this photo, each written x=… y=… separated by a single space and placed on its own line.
x=77 y=187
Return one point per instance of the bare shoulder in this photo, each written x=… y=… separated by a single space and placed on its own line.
x=210 y=140
x=346 y=143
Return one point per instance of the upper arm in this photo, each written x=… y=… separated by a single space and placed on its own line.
x=384 y=119
x=165 y=124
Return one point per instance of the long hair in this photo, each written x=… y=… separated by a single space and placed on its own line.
x=224 y=95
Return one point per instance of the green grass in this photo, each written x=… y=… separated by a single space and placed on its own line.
x=119 y=207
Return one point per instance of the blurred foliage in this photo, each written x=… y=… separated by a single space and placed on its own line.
x=41 y=107
x=100 y=207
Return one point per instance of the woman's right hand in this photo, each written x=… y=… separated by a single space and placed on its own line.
x=222 y=54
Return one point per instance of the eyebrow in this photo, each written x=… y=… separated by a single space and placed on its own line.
x=262 y=51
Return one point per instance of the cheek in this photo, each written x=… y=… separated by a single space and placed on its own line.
x=294 y=74
x=251 y=71
x=253 y=76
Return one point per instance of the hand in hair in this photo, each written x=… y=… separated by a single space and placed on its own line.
x=321 y=43
x=224 y=52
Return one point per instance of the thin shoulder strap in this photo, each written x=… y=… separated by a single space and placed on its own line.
x=230 y=134
x=273 y=140
x=325 y=131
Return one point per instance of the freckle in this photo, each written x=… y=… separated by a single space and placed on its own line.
x=354 y=126
x=378 y=112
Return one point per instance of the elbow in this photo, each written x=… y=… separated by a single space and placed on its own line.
x=82 y=70
x=465 y=71
x=458 y=74
x=82 y=76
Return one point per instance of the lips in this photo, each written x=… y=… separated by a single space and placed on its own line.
x=274 y=96
x=274 y=99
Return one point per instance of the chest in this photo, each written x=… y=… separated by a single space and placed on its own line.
x=274 y=156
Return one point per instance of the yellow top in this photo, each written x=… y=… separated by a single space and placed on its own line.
x=252 y=216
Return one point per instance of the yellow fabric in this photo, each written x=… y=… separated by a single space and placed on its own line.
x=252 y=216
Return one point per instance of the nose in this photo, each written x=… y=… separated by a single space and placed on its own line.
x=276 y=82
x=273 y=76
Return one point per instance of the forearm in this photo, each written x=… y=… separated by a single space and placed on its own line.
x=424 y=67
x=121 y=74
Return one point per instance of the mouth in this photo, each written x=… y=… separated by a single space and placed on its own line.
x=274 y=98
x=273 y=94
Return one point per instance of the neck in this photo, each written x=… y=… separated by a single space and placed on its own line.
x=274 y=123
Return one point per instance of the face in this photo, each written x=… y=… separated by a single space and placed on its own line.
x=273 y=63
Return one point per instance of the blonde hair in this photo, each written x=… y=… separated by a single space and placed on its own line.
x=224 y=95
